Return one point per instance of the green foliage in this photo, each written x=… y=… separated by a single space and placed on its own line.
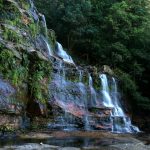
x=39 y=79
x=1 y=4
x=33 y=29
x=12 y=68
x=24 y=4
x=37 y=75
x=52 y=37
x=15 y=22
x=130 y=89
x=12 y=35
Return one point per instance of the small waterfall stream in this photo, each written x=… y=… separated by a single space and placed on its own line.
x=44 y=24
x=50 y=51
x=115 y=96
x=105 y=91
x=80 y=75
x=93 y=95
x=121 y=122
x=31 y=4
x=62 y=54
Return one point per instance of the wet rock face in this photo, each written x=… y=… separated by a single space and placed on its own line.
x=42 y=45
x=35 y=108
x=10 y=122
x=21 y=34
x=72 y=102
x=106 y=69
x=6 y=89
x=7 y=93
x=10 y=111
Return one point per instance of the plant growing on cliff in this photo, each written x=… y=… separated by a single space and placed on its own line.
x=12 y=35
x=39 y=80
x=6 y=128
x=12 y=69
x=34 y=29
x=24 y=4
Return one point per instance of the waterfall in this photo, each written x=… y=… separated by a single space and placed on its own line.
x=44 y=24
x=31 y=4
x=80 y=75
x=93 y=95
x=79 y=104
x=50 y=51
x=115 y=96
x=90 y=81
x=105 y=91
x=121 y=122
x=62 y=54
x=83 y=92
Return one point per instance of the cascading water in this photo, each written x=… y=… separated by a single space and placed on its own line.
x=31 y=3
x=121 y=122
x=50 y=52
x=83 y=92
x=115 y=96
x=84 y=105
x=62 y=54
x=105 y=91
x=44 y=24
x=119 y=115
x=93 y=95
x=80 y=75
x=74 y=102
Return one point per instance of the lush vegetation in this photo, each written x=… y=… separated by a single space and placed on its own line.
x=17 y=64
x=111 y=32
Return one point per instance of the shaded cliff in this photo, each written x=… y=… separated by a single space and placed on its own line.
x=24 y=63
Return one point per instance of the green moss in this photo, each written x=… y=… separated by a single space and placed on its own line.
x=9 y=9
x=97 y=82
